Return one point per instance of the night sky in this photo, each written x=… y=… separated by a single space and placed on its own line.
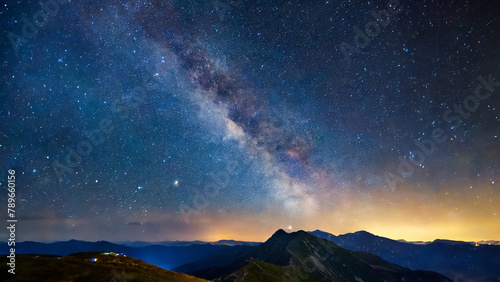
x=208 y=120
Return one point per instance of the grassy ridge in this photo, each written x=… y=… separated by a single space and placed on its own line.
x=80 y=267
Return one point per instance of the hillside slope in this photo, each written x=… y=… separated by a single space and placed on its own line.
x=87 y=266
x=461 y=261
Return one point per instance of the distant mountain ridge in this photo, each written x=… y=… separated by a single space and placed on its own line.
x=187 y=243
x=167 y=257
x=461 y=261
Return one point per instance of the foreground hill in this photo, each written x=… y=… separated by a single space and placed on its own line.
x=87 y=267
x=300 y=256
x=461 y=261
x=166 y=257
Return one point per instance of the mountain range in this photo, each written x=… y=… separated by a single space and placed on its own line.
x=167 y=257
x=461 y=261
x=300 y=256
x=297 y=256
x=187 y=243
x=228 y=259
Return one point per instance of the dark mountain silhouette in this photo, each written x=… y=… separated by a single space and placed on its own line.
x=187 y=243
x=87 y=266
x=301 y=256
x=461 y=261
x=162 y=256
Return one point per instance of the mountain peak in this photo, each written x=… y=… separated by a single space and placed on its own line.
x=363 y=232
x=283 y=235
x=280 y=234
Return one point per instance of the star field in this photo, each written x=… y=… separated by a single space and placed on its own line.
x=186 y=120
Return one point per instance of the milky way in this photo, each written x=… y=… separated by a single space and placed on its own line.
x=230 y=119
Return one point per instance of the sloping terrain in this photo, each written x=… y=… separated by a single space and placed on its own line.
x=461 y=261
x=166 y=257
x=87 y=266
